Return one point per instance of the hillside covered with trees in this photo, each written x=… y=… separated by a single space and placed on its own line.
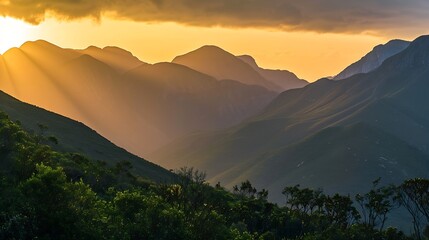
x=46 y=194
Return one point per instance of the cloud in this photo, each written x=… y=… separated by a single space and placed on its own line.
x=306 y=15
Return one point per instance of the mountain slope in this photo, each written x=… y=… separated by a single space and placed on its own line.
x=221 y=64
x=77 y=138
x=282 y=78
x=135 y=105
x=338 y=159
x=373 y=59
x=388 y=105
x=194 y=100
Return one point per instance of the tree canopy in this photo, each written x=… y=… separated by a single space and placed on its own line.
x=45 y=194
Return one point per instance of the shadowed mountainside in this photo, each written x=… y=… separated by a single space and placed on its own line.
x=75 y=137
x=339 y=135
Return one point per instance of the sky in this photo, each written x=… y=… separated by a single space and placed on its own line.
x=312 y=38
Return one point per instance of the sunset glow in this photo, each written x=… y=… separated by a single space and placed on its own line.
x=13 y=33
x=308 y=54
x=214 y=119
x=311 y=40
x=311 y=54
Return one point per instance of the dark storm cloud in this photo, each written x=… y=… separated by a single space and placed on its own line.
x=314 y=15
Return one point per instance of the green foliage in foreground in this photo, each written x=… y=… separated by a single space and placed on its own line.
x=50 y=195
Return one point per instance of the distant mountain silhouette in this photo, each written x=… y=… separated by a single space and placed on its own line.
x=119 y=59
x=282 y=78
x=373 y=59
x=221 y=64
x=136 y=105
x=74 y=137
x=337 y=135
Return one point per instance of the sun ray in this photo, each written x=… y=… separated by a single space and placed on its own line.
x=13 y=33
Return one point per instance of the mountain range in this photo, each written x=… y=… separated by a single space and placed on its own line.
x=227 y=116
x=336 y=135
x=136 y=105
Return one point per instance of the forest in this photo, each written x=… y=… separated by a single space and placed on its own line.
x=46 y=194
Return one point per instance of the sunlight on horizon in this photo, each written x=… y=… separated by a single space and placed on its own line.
x=13 y=33
x=309 y=55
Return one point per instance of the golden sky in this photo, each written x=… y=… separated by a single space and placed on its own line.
x=311 y=39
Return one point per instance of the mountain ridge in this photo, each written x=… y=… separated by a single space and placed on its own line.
x=389 y=100
x=120 y=59
x=374 y=58
x=283 y=78
x=220 y=64
x=99 y=90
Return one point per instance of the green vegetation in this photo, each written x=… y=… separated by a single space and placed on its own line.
x=67 y=135
x=46 y=194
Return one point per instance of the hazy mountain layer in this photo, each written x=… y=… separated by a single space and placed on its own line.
x=373 y=59
x=221 y=64
x=331 y=134
x=284 y=79
x=119 y=59
x=136 y=105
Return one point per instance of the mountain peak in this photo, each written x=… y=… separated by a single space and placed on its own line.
x=220 y=64
x=210 y=48
x=249 y=60
x=421 y=41
x=118 y=50
x=39 y=43
x=397 y=41
x=416 y=55
x=206 y=51
x=111 y=50
x=374 y=59
x=120 y=59
x=92 y=48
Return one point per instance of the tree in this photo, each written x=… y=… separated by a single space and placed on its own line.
x=47 y=193
x=245 y=190
x=340 y=211
x=413 y=194
x=303 y=200
x=376 y=204
x=62 y=209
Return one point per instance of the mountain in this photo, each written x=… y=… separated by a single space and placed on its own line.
x=119 y=59
x=284 y=79
x=221 y=64
x=192 y=99
x=135 y=105
x=338 y=135
x=75 y=137
x=82 y=199
x=373 y=59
